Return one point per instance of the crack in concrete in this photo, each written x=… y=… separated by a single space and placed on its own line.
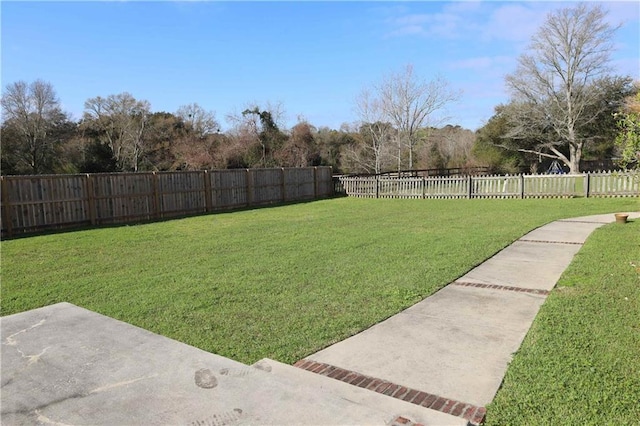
x=9 y=340
x=46 y=420
x=32 y=359
x=120 y=384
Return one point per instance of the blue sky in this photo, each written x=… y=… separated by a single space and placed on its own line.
x=312 y=57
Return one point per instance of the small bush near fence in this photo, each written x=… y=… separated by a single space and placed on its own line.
x=605 y=184
x=37 y=203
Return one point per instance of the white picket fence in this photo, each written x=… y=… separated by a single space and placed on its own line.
x=601 y=184
x=613 y=184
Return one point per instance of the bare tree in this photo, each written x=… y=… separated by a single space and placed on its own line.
x=372 y=117
x=119 y=120
x=33 y=112
x=452 y=145
x=409 y=103
x=199 y=120
x=555 y=88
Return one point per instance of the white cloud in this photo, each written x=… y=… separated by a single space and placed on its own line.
x=514 y=22
x=511 y=22
x=446 y=25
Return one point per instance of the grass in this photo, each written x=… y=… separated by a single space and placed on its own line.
x=580 y=362
x=281 y=282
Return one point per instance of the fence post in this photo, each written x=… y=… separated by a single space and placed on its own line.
x=377 y=187
x=155 y=202
x=470 y=187
x=207 y=191
x=249 y=187
x=284 y=185
x=587 y=184
x=315 y=183
x=424 y=188
x=521 y=185
x=91 y=199
x=6 y=212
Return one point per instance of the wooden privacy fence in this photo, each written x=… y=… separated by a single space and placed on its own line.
x=605 y=184
x=37 y=203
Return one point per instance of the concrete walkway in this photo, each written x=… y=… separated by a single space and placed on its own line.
x=439 y=362
x=455 y=345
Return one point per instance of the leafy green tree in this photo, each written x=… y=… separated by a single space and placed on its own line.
x=331 y=145
x=603 y=130
x=494 y=148
x=98 y=158
x=163 y=132
x=628 y=139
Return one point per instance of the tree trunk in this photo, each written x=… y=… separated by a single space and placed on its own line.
x=410 y=154
x=399 y=155
x=575 y=153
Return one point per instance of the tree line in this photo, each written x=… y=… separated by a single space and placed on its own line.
x=119 y=133
x=565 y=105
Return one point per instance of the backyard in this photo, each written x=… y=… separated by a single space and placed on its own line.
x=281 y=282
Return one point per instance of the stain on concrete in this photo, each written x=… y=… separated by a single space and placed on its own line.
x=205 y=379
x=237 y=372
x=24 y=410
x=262 y=365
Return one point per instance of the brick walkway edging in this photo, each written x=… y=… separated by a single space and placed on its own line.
x=502 y=287
x=472 y=413
x=575 y=243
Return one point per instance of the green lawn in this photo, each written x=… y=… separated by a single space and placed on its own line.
x=580 y=362
x=278 y=282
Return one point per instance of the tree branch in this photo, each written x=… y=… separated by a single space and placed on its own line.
x=530 y=151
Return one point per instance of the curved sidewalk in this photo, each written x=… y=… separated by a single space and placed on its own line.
x=450 y=351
